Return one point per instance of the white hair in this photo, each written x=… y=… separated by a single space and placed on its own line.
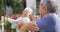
x=50 y=4
x=29 y=9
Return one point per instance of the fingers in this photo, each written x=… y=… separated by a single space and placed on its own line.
x=32 y=26
x=34 y=23
x=35 y=29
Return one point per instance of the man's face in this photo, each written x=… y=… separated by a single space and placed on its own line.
x=42 y=9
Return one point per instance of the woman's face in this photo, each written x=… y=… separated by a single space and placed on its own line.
x=26 y=12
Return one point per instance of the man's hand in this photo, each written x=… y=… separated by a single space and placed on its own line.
x=20 y=24
x=30 y=26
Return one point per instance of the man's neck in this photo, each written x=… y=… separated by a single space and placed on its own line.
x=43 y=15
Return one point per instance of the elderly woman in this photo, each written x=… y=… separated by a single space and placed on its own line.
x=25 y=18
x=21 y=20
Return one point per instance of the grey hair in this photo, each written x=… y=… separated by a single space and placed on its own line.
x=29 y=9
x=50 y=4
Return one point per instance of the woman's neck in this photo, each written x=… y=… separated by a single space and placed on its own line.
x=25 y=16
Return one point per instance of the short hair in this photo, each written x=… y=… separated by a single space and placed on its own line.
x=29 y=9
x=50 y=4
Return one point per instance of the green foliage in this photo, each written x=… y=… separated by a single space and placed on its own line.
x=2 y=7
x=37 y=12
x=7 y=25
x=17 y=6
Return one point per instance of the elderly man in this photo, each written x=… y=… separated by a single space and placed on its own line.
x=47 y=22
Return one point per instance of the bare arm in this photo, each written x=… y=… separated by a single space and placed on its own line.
x=20 y=24
x=30 y=26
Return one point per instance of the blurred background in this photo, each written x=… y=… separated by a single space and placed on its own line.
x=16 y=7
x=11 y=7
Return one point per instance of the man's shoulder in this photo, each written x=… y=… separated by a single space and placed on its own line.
x=47 y=16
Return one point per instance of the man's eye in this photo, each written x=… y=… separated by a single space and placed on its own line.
x=41 y=4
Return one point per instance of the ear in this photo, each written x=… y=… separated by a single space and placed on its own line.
x=46 y=9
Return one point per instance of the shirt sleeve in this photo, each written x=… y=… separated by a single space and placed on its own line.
x=40 y=23
x=14 y=21
x=46 y=22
